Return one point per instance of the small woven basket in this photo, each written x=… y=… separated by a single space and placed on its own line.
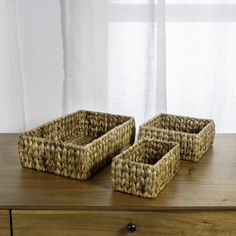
x=145 y=168
x=77 y=145
x=194 y=135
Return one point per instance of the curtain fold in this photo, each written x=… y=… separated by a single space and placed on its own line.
x=155 y=94
x=85 y=29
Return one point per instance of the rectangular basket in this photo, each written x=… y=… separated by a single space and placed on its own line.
x=145 y=168
x=76 y=145
x=194 y=135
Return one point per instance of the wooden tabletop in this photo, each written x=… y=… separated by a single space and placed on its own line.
x=208 y=184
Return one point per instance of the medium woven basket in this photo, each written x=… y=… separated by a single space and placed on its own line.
x=194 y=135
x=145 y=168
x=77 y=145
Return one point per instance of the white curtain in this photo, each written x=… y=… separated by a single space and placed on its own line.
x=114 y=63
x=31 y=63
x=12 y=117
x=201 y=55
x=135 y=57
x=142 y=57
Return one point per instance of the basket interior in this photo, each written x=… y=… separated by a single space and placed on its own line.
x=79 y=128
x=178 y=123
x=149 y=152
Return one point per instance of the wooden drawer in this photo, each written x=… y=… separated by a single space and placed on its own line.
x=4 y=223
x=104 y=223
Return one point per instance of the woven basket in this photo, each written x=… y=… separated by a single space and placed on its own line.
x=194 y=135
x=145 y=168
x=77 y=145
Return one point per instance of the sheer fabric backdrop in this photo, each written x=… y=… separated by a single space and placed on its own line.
x=201 y=53
x=135 y=57
x=12 y=117
x=115 y=59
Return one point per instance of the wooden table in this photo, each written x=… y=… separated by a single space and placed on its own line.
x=200 y=200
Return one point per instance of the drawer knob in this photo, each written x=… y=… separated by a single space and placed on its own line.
x=131 y=227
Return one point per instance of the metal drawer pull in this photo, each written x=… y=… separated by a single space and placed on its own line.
x=131 y=227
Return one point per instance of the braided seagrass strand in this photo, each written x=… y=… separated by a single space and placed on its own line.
x=194 y=135
x=145 y=168
x=77 y=145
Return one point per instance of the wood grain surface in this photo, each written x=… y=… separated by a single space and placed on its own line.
x=114 y=223
x=4 y=223
x=209 y=184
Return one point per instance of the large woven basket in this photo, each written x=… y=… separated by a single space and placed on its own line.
x=77 y=145
x=145 y=168
x=194 y=135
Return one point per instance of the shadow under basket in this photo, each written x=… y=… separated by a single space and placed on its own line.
x=76 y=145
x=194 y=135
x=145 y=168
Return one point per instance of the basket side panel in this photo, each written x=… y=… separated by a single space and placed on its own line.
x=115 y=120
x=96 y=124
x=140 y=179
x=183 y=123
x=205 y=140
x=167 y=168
x=177 y=123
x=153 y=147
x=50 y=157
x=153 y=122
x=102 y=150
x=134 y=178
x=187 y=142
x=101 y=123
x=124 y=136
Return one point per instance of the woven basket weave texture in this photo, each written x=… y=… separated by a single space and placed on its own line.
x=194 y=135
x=145 y=168
x=76 y=145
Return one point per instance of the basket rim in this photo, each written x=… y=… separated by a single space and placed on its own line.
x=72 y=145
x=144 y=139
x=145 y=125
x=71 y=114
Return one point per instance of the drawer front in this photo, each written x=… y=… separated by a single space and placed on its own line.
x=114 y=223
x=4 y=223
